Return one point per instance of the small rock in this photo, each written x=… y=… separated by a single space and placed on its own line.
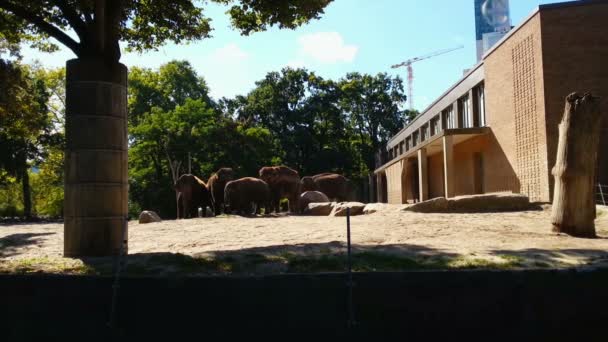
x=356 y=208
x=319 y=209
x=148 y=216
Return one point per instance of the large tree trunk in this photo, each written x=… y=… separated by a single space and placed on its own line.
x=27 y=194
x=96 y=187
x=575 y=167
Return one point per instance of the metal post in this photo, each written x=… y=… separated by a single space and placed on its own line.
x=351 y=309
x=116 y=284
x=601 y=193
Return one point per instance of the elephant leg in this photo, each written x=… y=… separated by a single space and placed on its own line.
x=293 y=204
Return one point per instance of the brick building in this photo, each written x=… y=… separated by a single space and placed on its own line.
x=496 y=129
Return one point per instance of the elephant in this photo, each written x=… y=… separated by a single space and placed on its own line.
x=216 y=184
x=284 y=182
x=193 y=193
x=241 y=193
x=308 y=197
x=335 y=186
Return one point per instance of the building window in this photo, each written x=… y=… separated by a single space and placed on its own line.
x=481 y=105
x=424 y=132
x=435 y=125
x=464 y=110
x=401 y=148
x=415 y=138
x=408 y=143
x=448 y=118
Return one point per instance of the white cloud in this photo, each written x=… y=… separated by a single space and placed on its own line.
x=230 y=53
x=327 y=47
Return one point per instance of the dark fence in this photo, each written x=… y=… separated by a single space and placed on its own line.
x=411 y=306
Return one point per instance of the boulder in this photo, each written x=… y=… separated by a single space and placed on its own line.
x=435 y=205
x=371 y=208
x=485 y=203
x=148 y=216
x=489 y=203
x=311 y=197
x=356 y=208
x=319 y=209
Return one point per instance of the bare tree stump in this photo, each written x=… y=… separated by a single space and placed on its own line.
x=573 y=210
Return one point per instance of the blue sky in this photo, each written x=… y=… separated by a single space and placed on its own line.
x=366 y=36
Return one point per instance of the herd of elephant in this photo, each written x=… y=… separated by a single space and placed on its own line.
x=223 y=193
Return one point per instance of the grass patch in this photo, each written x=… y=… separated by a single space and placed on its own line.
x=46 y=265
x=169 y=264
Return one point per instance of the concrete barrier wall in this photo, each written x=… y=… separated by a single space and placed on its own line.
x=412 y=305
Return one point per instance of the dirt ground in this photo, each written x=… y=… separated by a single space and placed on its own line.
x=523 y=237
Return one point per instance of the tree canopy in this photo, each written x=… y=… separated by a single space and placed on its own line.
x=93 y=28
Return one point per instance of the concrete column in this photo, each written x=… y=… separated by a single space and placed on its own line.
x=423 y=179
x=448 y=166
x=96 y=187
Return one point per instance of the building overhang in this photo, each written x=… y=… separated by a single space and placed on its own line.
x=434 y=145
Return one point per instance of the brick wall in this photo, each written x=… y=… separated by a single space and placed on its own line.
x=393 y=179
x=575 y=58
x=515 y=111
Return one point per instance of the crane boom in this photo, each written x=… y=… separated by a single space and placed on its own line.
x=410 y=70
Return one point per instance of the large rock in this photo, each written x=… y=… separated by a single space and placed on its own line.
x=497 y=202
x=371 y=208
x=489 y=203
x=319 y=209
x=435 y=205
x=356 y=208
x=311 y=197
x=148 y=216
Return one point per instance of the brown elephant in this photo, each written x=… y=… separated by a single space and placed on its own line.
x=240 y=194
x=193 y=193
x=335 y=186
x=216 y=184
x=284 y=182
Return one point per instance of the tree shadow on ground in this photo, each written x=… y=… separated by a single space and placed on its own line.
x=332 y=257
x=10 y=244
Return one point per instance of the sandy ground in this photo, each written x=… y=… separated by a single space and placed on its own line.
x=525 y=235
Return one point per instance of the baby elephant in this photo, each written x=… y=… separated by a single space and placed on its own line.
x=240 y=194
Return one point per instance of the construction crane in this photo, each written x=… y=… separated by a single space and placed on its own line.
x=410 y=70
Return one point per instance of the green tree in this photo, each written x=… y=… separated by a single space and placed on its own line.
x=143 y=25
x=166 y=88
x=24 y=124
x=372 y=104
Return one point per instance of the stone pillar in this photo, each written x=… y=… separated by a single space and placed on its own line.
x=448 y=166
x=96 y=188
x=423 y=179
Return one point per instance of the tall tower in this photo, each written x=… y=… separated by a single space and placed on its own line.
x=492 y=22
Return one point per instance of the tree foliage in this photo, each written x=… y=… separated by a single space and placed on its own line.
x=142 y=24
x=25 y=126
